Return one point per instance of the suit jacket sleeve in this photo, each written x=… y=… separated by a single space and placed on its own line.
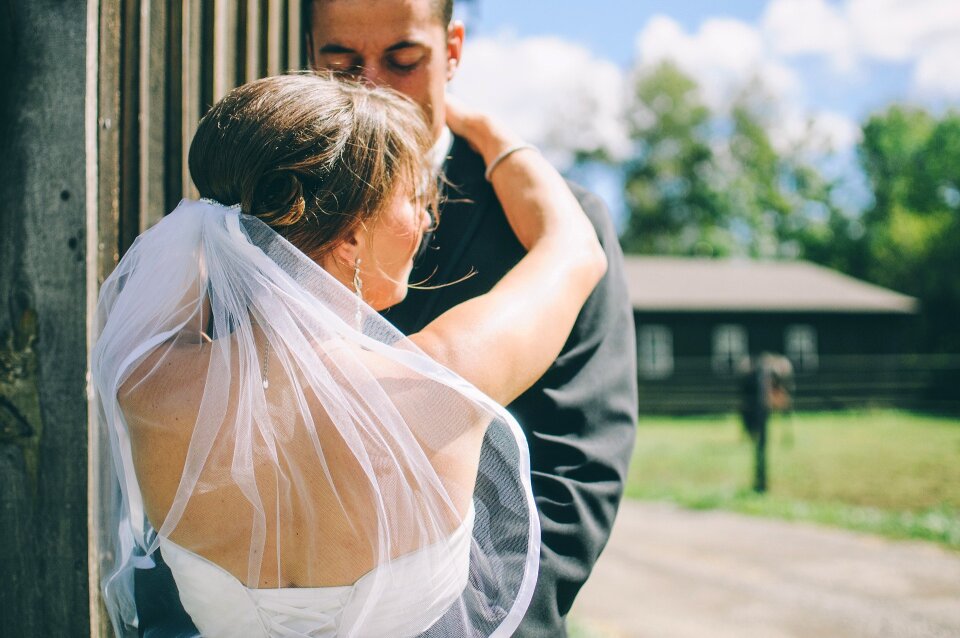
x=580 y=420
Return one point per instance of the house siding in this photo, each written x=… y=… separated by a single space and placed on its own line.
x=863 y=359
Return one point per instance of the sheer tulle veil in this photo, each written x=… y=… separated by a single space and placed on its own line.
x=257 y=414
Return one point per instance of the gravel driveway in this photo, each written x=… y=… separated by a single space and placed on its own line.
x=675 y=573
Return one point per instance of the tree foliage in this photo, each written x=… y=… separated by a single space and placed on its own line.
x=670 y=188
x=707 y=183
x=911 y=239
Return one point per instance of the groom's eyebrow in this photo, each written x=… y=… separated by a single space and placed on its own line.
x=341 y=49
x=335 y=48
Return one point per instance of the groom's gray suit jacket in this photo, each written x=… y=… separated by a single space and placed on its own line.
x=579 y=418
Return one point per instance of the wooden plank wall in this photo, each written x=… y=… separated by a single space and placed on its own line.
x=162 y=64
x=99 y=103
x=165 y=62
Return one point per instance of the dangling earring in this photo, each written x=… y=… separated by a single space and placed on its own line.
x=358 y=287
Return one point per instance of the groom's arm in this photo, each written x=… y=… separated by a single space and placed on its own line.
x=580 y=421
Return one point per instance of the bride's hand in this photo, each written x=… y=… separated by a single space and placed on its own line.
x=536 y=200
x=458 y=115
x=484 y=135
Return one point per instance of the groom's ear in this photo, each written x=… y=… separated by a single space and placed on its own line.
x=455 y=36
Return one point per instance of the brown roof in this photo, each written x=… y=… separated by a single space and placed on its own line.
x=700 y=285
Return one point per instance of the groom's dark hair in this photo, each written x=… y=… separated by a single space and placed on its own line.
x=442 y=8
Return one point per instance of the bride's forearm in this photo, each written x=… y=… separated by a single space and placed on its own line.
x=505 y=340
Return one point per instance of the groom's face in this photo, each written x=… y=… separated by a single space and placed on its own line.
x=402 y=44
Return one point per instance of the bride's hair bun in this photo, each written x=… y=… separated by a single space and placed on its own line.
x=278 y=199
x=313 y=156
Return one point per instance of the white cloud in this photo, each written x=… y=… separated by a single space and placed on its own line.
x=809 y=27
x=901 y=30
x=552 y=92
x=723 y=55
x=560 y=96
x=726 y=45
x=922 y=34
x=816 y=132
x=837 y=130
x=937 y=73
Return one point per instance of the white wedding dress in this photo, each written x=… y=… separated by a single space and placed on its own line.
x=222 y=607
x=254 y=409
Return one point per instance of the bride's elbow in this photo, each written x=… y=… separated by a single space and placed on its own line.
x=599 y=259
x=594 y=263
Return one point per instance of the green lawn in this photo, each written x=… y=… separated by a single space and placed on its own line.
x=887 y=472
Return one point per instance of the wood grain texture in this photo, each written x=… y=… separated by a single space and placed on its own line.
x=43 y=464
x=152 y=78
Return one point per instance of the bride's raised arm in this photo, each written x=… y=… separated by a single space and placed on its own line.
x=504 y=340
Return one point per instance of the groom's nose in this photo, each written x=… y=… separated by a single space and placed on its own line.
x=373 y=74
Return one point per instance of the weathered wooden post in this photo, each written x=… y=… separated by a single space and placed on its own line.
x=46 y=168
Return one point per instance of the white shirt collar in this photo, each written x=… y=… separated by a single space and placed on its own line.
x=438 y=153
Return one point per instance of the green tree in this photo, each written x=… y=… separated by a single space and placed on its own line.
x=707 y=183
x=675 y=207
x=780 y=198
x=912 y=229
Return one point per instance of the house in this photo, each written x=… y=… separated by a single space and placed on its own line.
x=697 y=320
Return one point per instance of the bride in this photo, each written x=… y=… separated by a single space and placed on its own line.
x=303 y=468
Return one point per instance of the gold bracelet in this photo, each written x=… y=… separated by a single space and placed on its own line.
x=504 y=155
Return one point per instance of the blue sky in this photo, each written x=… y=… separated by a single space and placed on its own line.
x=556 y=70
x=609 y=29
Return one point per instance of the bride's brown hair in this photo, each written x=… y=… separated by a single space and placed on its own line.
x=312 y=156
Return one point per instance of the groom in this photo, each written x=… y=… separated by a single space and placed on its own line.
x=579 y=418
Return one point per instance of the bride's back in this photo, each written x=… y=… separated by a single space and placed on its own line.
x=315 y=496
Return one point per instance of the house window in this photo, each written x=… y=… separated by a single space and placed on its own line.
x=801 y=347
x=655 y=352
x=729 y=348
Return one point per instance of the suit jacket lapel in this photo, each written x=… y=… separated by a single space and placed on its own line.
x=467 y=198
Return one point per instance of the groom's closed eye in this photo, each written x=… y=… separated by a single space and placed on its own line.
x=339 y=59
x=401 y=58
x=407 y=58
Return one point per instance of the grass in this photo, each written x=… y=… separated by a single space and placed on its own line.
x=886 y=472
x=580 y=628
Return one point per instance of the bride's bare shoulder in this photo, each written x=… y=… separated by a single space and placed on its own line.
x=168 y=379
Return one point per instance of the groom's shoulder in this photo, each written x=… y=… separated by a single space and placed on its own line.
x=597 y=212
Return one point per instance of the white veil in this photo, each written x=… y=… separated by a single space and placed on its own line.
x=265 y=422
